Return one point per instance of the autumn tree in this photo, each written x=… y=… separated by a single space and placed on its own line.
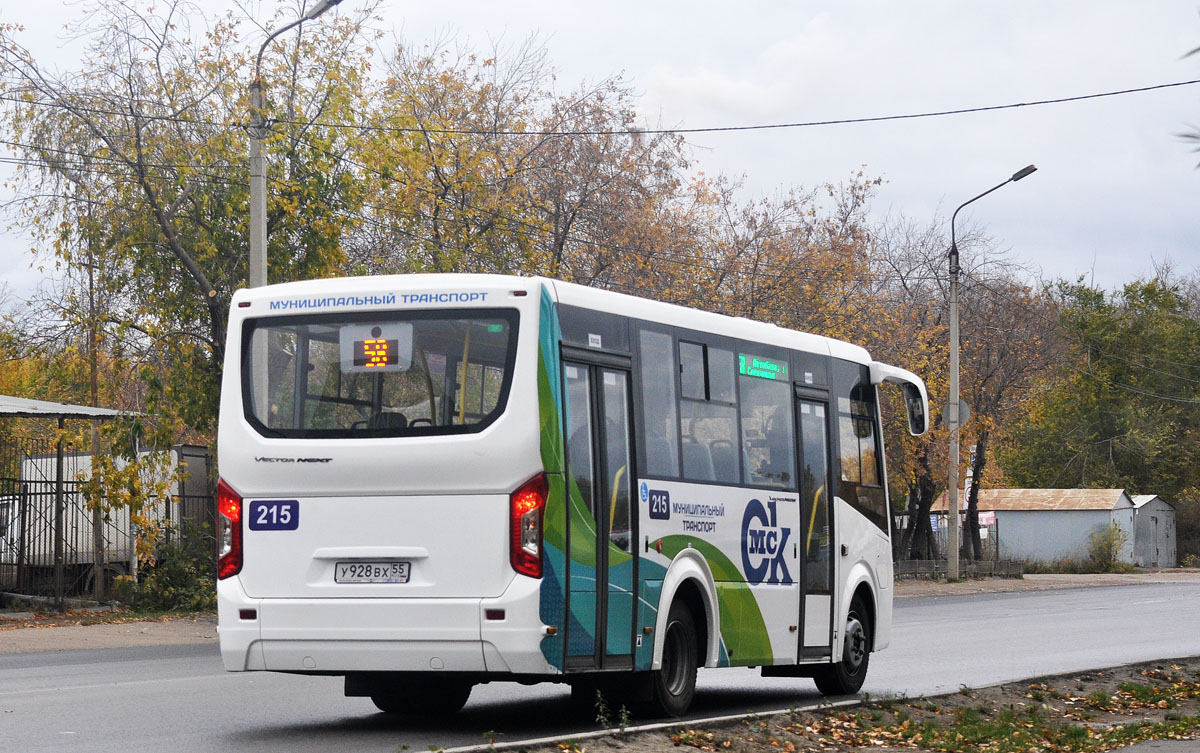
x=145 y=140
x=448 y=141
x=484 y=168
x=1004 y=340
x=608 y=194
x=1010 y=343
x=908 y=261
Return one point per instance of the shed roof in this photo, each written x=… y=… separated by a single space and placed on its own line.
x=1142 y=500
x=20 y=407
x=1044 y=499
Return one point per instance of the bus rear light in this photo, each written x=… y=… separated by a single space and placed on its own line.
x=229 y=521
x=526 y=506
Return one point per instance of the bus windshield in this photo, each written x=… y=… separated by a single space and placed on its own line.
x=378 y=374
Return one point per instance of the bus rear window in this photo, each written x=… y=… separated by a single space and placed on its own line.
x=378 y=374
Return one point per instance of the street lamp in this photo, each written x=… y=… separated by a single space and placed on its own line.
x=952 y=408
x=258 y=175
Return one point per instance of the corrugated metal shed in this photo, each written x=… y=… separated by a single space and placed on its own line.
x=1045 y=499
x=1044 y=525
x=1153 y=531
x=20 y=407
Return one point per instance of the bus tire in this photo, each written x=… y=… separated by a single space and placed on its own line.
x=673 y=686
x=846 y=676
x=432 y=697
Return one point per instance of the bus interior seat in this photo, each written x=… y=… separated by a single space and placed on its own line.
x=724 y=460
x=698 y=462
x=659 y=457
x=388 y=420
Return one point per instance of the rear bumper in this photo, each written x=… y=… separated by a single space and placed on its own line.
x=336 y=636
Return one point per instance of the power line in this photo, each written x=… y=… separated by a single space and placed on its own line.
x=629 y=131
x=1136 y=390
x=778 y=126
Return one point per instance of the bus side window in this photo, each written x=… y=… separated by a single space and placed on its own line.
x=708 y=413
x=660 y=420
x=815 y=535
x=579 y=434
x=858 y=445
x=767 y=434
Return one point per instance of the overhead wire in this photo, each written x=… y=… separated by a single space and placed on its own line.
x=671 y=257
x=629 y=131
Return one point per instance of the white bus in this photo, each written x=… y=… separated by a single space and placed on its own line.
x=435 y=481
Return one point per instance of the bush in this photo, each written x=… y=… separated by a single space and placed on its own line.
x=1105 y=547
x=184 y=578
x=1104 y=556
x=1187 y=526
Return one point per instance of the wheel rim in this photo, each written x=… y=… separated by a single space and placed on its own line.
x=856 y=644
x=674 y=673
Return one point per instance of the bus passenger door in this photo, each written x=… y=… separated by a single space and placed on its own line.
x=816 y=528
x=600 y=536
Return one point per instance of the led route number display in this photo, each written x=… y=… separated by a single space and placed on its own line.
x=382 y=347
x=374 y=353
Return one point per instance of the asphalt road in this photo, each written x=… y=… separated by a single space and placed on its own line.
x=177 y=698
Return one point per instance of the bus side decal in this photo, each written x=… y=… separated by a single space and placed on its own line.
x=744 y=638
x=554 y=521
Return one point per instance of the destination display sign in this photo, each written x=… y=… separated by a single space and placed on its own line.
x=763 y=368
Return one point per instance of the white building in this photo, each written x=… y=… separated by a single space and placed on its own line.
x=1153 y=532
x=1045 y=525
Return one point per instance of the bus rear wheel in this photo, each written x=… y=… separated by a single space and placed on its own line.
x=674 y=686
x=435 y=696
x=846 y=676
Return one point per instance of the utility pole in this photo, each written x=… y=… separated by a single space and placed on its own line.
x=257 y=275
x=954 y=404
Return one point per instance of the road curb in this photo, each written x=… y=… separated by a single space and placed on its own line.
x=49 y=603
x=652 y=727
x=718 y=720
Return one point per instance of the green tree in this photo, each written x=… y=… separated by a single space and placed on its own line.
x=1124 y=409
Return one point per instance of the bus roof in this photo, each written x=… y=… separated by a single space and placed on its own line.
x=379 y=287
x=705 y=321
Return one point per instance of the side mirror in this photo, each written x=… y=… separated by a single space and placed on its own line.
x=918 y=422
x=914 y=393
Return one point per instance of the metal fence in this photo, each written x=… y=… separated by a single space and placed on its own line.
x=989 y=535
x=938 y=568
x=52 y=543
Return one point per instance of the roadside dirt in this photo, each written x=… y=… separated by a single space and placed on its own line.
x=926 y=587
x=33 y=634
x=1082 y=711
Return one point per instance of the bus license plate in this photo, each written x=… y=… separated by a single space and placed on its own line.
x=371 y=572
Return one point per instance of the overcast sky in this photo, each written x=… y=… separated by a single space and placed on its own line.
x=1116 y=188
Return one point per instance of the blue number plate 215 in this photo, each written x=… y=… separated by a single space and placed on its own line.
x=274 y=515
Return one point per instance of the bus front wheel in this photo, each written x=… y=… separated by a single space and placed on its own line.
x=846 y=676
x=674 y=686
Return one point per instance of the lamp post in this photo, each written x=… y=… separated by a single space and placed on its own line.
x=952 y=408
x=258 y=176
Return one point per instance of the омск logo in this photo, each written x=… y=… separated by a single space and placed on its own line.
x=764 y=544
